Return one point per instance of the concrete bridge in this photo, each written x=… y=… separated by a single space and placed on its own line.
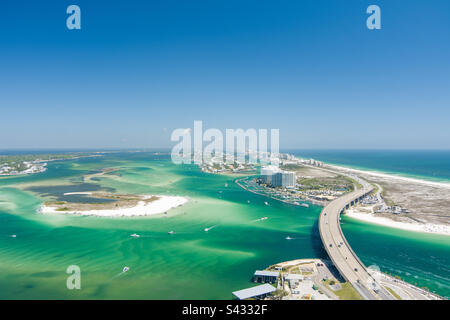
x=346 y=261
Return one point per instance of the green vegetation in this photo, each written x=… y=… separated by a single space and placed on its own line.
x=338 y=183
x=15 y=164
x=291 y=167
x=347 y=292
x=388 y=201
x=375 y=190
x=48 y=203
x=34 y=157
x=279 y=293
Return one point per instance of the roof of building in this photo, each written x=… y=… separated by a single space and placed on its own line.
x=254 y=291
x=266 y=273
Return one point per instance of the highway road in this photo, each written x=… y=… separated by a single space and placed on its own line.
x=346 y=261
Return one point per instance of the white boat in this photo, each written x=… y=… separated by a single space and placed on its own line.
x=135 y=235
x=264 y=218
x=125 y=269
x=171 y=232
x=13 y=236
x=305 y=205
x=288 y=238
x=266 y=203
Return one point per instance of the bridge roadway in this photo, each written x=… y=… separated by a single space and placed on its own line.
x=346 y=261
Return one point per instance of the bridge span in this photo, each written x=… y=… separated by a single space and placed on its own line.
x=346 y=261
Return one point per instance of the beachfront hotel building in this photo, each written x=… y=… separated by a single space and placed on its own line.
x=289 y=179
x=276 y=177
x=268 y=172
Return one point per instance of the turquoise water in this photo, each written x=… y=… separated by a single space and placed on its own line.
x=418 y=258
x=431 y=165
x=190 y=264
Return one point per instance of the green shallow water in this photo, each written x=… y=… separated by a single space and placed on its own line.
x=190 y=264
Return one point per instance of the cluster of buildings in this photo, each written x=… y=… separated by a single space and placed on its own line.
x=219 y=165
x=287 y=156
x=313 y=162
x=392 y=209
x=379 y=205
x=294 y=282
x=322 y=195
x=275 y=177
x=26 y=167
x=5 y=169
x=370 y=199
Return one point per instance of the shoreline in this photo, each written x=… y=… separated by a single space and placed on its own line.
x=380 y=174
x=161 y=205
x=429 y=228
x=310 y=201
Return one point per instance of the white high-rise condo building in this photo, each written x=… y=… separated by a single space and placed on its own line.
x=278 y=178
x=268 y=172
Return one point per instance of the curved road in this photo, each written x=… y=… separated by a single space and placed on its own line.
x=340 y=252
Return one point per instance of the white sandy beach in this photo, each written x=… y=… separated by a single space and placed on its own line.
x=163 y=204
x=74 y=193
x=391 y=176
x=419 y=227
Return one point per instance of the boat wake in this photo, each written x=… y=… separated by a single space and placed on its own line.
x=124 y=270
x=260 y=219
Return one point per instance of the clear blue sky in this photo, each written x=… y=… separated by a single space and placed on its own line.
x=139 y=69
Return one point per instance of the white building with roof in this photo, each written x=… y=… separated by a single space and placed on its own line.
x=258 y=292
x=265 y=276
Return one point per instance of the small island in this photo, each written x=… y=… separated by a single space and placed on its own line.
x=105 y=204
